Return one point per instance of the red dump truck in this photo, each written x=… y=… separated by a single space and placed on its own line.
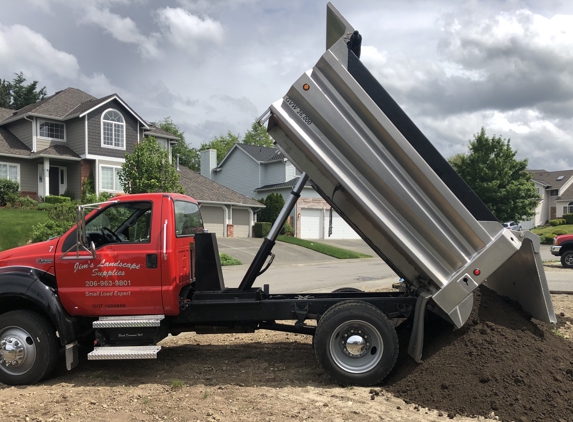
x=140 y=267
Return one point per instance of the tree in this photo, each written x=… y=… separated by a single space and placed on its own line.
x=501 y=181
x=222 y=144
x=148 y=169
x=22 y=94
x=274 y=203
x=258 y=135
x=188 y=157
x=5 y=93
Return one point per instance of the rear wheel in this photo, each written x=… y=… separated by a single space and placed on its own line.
x=355 y=343
x=348 y=290
x=28 y=348
x=567 y=259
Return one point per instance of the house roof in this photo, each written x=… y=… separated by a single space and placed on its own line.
x=551 y=179
x=289 y=184
x=208 y=191
x=261 y=155
x=11 y=145
x=61 y=151
x=155 y=131
x=5 y=113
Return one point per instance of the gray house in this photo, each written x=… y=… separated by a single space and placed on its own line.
x=55 y=144
x=257 y=171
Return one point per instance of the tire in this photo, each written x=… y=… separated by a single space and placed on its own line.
x=29 y=341
x=372 y=355
x=567 y=259
x=348 y=290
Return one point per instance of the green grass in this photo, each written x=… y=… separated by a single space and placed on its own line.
x=322 y=248
x=16 y=226
x=551 y=229
x=228 y=260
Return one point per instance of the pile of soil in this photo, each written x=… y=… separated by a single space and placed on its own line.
x=501 y=361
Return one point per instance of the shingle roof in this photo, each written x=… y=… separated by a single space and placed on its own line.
x=57 y=151
x=87 y=105
x=289 y=184
x=205 y=190
x=568 y=194
x=262 y=154
x=57 y=105
x=154 y=130
x=9 y=144
x=5 y=113
x=549 y=178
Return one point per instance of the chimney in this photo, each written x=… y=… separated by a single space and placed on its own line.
x=208 y=163
x=177 y=162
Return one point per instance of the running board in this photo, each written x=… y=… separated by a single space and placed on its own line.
x=129 y=352
x=129 y=321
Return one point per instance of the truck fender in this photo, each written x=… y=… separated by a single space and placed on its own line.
x=39 y=288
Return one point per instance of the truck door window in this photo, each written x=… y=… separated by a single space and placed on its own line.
x=123 y=222
x=188 y=219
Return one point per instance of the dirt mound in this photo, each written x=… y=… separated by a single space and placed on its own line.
x=500 y=361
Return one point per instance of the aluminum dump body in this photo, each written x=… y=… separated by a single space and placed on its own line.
x=382 y=175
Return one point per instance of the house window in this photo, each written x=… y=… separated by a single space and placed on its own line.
x=110 y=178
x=568 y=209
x=554 y=192
x=52 y=130
x=10 y=171
x=113 y=130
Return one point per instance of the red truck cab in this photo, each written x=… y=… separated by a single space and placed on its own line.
x=563 y=247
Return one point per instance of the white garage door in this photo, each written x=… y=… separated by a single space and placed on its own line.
x=241 y=222
x=213 y=219
x=340 y=228
x=311 y=223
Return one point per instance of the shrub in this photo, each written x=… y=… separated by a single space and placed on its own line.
x=64 y=212
x=554 y=222
x=69 y=194
x=228 y=260
x=8 y=188
x=287 y=230
x=262 y=229
x=54 y=199
x=558 y=232
x=23 y=202
x=44 y=206
x=51 y=228
x=568 y=218
x=548 y=238
x=274 y=203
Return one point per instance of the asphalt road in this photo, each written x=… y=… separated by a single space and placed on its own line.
x=297 y=269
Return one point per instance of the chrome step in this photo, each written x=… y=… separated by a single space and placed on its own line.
x=124 y=352
x=129 y=321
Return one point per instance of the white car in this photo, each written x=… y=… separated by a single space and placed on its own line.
x=512 y=225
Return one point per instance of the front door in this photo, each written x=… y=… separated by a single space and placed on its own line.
x=54 y=180
x=125 y=276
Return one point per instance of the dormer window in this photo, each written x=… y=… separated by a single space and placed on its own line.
x=113 y=129
x=52 y=130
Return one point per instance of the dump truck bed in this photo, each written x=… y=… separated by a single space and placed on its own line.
x=370 y=162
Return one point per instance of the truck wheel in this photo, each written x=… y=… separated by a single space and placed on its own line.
x=567 y=259
x=355 y=343
x=348 y=290
x=28 y=348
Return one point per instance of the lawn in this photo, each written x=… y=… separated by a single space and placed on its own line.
x=16 y=226
x=567 y=228
x=322 y=248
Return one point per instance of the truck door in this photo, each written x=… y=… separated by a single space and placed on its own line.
x=125 y=276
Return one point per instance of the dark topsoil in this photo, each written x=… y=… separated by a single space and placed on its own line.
x=501 y=361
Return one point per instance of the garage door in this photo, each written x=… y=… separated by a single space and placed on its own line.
x=311 y=221
x=340 y=228
x=241 y=222
x=213 y=219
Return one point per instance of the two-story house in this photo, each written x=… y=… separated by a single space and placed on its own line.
x=258 y=171
x=53 y=146
x=556 y=191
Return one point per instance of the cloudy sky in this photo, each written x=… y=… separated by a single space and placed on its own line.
x=215 y=65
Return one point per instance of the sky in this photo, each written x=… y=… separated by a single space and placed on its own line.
x=214 y=66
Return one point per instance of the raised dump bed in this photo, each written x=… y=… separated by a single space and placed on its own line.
x=384 y=177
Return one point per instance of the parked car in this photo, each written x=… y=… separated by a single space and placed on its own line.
x=563 y=247
x=512 y=225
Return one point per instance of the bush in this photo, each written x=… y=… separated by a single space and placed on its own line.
x=23 y=202
x=287 y=230
x=54 y=199
x=69 y=194
x=554 y=222
x=45 y=206
x=51 y=228
x=274 y=203
x=228 y=260
x=8 y=188
x=568 y=218
x=65 y=213
x=262 y=229
x=548 y=238
x=558 y=232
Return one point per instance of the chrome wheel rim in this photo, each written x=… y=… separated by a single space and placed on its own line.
x=17 y=351
x=356 y=346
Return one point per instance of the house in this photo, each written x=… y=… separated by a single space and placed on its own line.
x=556 y=191
x=54 y=145
x=225 y=212
x=256 y=171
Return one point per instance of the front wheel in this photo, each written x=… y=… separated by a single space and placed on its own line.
x=355 y=343
x=28 y=348
x=567 y=259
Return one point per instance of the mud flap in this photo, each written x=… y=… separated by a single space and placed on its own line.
x=522 y=278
